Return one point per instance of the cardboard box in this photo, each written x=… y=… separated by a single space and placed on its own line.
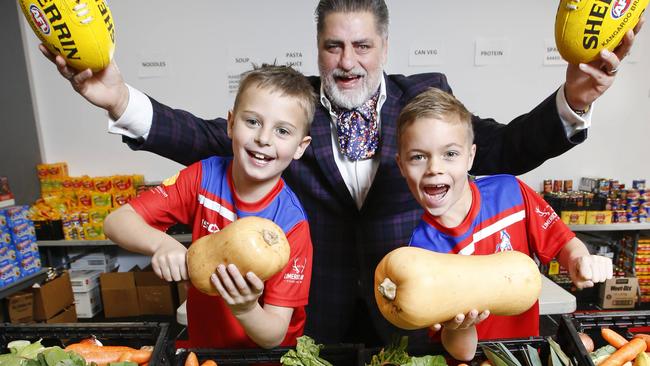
x=598 y=217
x=21 y=307
x=68 y=315
x=88 y=303
x=619 y=293
x=84 y=280
x=119 y=294
x=574 y=217
x=182 y=290
x=52 y=297
x=154 y=295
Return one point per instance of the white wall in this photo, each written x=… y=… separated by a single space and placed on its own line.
x=197 y=38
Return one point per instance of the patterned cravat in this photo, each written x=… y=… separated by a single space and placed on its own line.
x=357 y=129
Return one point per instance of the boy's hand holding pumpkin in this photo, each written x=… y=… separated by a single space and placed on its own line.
x=590 y=269
x=463 y=321
x=239 y=293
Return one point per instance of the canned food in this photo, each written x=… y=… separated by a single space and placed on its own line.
x=638 y=184
x=568 y=185
x=548 y=186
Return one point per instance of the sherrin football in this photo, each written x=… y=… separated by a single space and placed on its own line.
x=82 y=31
x=584 y=27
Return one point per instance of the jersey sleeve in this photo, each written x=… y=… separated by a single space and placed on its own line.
x=547 y=234
x=172 y=202
x=290 y=286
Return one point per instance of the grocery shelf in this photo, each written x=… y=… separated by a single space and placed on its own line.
x=183 y=238
x=628 y=226
x=23 y=283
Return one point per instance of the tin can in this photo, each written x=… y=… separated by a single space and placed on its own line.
x=568 y=185
x=638 y=184
x=547 y=186
x=557 y=186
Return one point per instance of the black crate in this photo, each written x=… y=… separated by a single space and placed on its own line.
x=133 y=335
x=336 y=354
x=625 y=323
x=516 y=345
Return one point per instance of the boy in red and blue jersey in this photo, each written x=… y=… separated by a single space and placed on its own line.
x=268 y=127
x=477 y=217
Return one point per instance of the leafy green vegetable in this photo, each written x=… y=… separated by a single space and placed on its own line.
x=427 y=361
x=394 y=354
x=306 y=354
x=555 y=349
x=531 y=357
x=601 y=354
x=499 y=355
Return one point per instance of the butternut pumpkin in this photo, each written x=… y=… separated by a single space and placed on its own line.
x=417 y=288
x=251 y=243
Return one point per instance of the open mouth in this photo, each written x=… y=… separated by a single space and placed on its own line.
x=436 y=191
x=259 y=156
x=347 y=79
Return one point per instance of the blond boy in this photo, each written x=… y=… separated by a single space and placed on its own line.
x=268 y=128
x=477 y=217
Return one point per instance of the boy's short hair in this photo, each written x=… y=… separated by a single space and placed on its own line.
x=434 y=103
x=285 y=80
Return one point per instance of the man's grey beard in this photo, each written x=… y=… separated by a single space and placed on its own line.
x=347 y=101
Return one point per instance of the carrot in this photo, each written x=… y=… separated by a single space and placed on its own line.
x=612 y=337
x=209 y=363
x=102 y=355
x=626 y=353
x=645 y=337
x=192 y=360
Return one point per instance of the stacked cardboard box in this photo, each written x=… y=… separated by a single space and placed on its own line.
x=54 y=301
x=86 y=291
x=134 y=293
x=104 y=260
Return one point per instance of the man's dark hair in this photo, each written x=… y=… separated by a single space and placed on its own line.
x=376 y=7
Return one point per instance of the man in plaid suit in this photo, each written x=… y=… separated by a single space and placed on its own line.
x=358 y=205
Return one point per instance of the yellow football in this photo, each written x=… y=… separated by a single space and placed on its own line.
x=584 y=27
x=82 y=31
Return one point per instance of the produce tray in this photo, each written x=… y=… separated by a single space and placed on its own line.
x=626 y=323
x=337 y=354
x=136 y=335
x=517 y=346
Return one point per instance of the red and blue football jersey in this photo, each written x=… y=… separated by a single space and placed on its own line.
x=202 y=195
x=506 y=214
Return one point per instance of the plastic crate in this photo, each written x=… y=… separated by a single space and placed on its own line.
x=625 y=323
x=338 y=354
x=517 y=346
x=133 y=335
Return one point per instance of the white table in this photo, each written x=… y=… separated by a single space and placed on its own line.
x=554 y=299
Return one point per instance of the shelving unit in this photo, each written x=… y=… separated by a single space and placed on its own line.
x=183 y=238
x=612 y=227
x=618 y=231
x=54 y=250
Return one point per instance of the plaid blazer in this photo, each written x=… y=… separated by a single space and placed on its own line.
x=349 y=242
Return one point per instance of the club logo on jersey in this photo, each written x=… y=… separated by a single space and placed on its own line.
x=504 y=243
x=210 y=227
x=297 y=268
x=548 y=214
x=171 y=180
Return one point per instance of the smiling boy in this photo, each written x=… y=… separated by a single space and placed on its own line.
x=268 y=127
x=484 y=216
